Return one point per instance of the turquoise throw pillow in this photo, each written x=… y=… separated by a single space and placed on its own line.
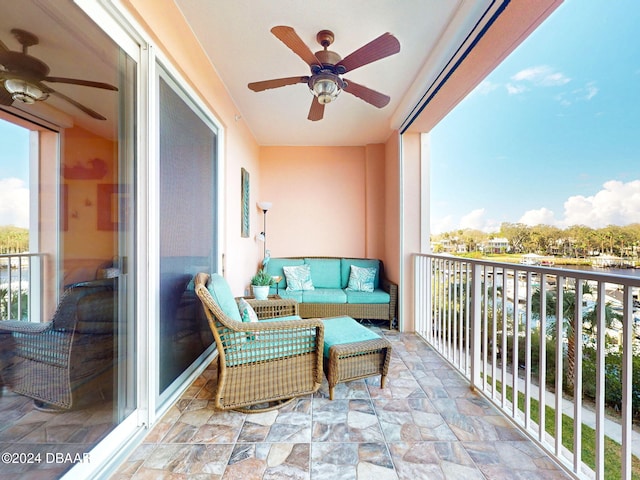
x=298 y=278
x=361 y=279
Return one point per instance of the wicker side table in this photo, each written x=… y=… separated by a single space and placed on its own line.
x=273 y=306
x=352 y=351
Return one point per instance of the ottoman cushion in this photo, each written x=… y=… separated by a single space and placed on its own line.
x=341 y=330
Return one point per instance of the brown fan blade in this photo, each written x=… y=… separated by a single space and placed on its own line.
x=86 y=110
x=5 y=97
x=276 y=83
x=3 y=46
x=75 y=81
x=383 y=46
x=290 y=38
x=316 y=112
x=376 y=99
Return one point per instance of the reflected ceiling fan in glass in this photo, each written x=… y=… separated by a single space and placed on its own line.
x=23 y=77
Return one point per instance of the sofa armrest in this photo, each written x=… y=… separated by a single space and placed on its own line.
x=274 y=308
x=392 y=289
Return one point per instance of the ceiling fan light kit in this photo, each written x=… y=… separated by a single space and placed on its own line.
x=327 y=68
x=24 y=91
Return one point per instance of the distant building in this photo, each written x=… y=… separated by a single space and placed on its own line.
x=496 y=245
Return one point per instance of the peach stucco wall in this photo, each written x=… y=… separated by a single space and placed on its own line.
x=319 y=201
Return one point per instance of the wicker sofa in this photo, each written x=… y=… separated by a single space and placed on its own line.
x=330 y=295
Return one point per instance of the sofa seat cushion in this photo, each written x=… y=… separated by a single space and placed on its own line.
x=290 y=294
x=324 y=295
x=345 y=269
x=325 y=272
x=377 y=296
x=274 y=268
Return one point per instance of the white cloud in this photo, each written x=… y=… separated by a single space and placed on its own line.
x=485 y=87
x=515 y=89
x=476 y=220
x=541 y=216
x=14 y=202
x=541 y=75
x=591 y=91
x=617 y=203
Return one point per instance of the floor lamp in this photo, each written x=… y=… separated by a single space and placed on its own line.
x=264 y=206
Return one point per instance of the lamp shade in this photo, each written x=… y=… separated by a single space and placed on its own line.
x=264 y=206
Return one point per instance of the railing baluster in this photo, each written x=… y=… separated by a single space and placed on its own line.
x=559 y=347
x=542 y=376
x=527 y=355
x=515 y=365
x=600 y=380
x=577 y=378
x=627 y=378
x=494 y=332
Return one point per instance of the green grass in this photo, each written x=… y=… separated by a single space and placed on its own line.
x=612 y=449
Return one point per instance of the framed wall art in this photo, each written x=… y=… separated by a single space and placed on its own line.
x=245 y=189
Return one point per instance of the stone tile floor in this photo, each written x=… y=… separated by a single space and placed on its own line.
x=426 y=424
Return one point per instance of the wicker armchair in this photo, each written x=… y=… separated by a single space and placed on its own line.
x=50 y=361
x=260 y=364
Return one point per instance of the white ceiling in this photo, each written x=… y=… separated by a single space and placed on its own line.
x=236 y=36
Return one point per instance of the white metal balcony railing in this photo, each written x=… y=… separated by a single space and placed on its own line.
x=472 y=311
x=20 y=275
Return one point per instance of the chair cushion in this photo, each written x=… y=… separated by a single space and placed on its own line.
x=325 y=272
x=221 y=293
x=345 y=269
x=298 y=278
x=324 y=295
x=274 y=268
x=377 y=296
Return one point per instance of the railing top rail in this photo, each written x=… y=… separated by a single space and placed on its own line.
x=620 y=279
x=23 y=254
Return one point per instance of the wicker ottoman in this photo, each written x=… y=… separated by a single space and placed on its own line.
x=352 y=351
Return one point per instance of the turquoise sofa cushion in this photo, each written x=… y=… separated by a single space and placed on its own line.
x=341 y=330
x=345 y=269
x=274 y=268
x=290 y=294
x=377 y=296
x=325 y=272
x=221 y=293
x=324 y=295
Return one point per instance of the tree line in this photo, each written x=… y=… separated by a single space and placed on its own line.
x=14 y=239
x=575 y=241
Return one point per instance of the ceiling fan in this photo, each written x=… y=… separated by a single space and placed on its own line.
x=23 y=75
x=327 y=68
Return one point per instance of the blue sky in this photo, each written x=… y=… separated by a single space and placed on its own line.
x=553 y=134
x=14 y=175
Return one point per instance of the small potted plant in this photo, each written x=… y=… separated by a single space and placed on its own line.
x=260 y=284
